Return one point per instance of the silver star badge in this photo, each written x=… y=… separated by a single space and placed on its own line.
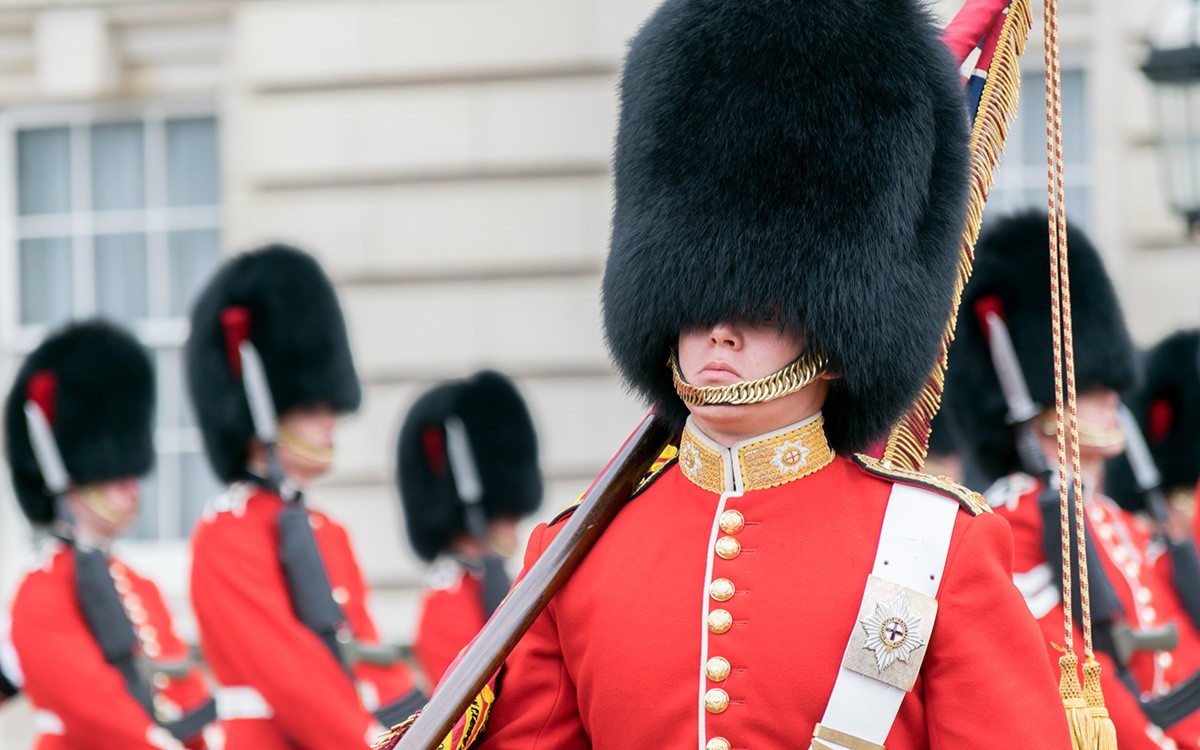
x=893 y=632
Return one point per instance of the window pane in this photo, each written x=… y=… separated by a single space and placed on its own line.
x=192 y=175
x=118 y=169
x=199 y=486
x=193 y=255
x=43 y=171
x=1075 y=118
x=45 y=280
x=121 y=291
x=146 y=525
x=168 y=367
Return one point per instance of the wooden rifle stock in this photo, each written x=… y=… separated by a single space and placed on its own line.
x=531 y=595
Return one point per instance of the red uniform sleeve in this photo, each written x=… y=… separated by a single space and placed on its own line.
x=391 y=682
x=450 y=618
x=536 y=706
x=65 y=671
x=246 y=619
x=987 y=657
x=969 y=25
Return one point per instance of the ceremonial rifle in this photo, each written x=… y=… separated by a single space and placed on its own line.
x=471 y=673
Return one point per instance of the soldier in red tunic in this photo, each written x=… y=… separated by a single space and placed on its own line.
x=1167 y=409
x=278 y=593
x=467 y=470
x=102 y=664
x=790 y=182
x=1151 y=677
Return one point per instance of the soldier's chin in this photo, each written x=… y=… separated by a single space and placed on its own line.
x=305 y=468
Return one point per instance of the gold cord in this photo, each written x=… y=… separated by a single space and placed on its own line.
x=908 y=444
x=793 y=376
x=1091 y=727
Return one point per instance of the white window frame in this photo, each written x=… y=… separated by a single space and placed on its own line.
x=18 y=339
x=1018 y=177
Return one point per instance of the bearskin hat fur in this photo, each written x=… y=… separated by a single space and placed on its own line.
x=295 y=323
x=98 y=387
x=804 y=160
x=1167 y=408
x=503 y=446
x=1012 y=271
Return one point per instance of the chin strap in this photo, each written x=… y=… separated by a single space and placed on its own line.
x=797 y=374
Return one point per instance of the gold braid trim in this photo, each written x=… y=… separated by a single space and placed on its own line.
x=908 y=444
x=790 y=378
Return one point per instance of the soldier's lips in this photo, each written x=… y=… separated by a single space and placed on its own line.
x=717 y=373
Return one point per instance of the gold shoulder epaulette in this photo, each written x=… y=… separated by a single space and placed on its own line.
x=660 y=465
x=971 y=501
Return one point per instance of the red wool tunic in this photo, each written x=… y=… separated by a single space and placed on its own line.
x=81 y=700
x=451 y=614
x=253 y=642
x=1140 y=570
x=741 y=572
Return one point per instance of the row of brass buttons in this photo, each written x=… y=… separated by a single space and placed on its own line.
x=717 y=668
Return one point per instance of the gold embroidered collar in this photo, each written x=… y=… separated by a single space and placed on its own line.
x=758 y=463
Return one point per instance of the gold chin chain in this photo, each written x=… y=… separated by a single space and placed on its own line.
x=94 y=499
x=793 y=376
x=305 y=449
x=1090 y=436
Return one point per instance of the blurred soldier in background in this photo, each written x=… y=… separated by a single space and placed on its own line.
x=102 y=664
x=468 y=472
x=1148 y=635
x=1167 y=409
x=279 y=596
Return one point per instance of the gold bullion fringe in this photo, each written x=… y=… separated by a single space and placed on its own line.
x=908 y=443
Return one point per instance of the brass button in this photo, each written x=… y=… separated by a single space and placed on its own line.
x=732 y=521
x=152 y=649
x=721 y=589
x=717 y=743
x=122 y=585
x=161 y=681
x=728 y=548
x=147 y=633
x=716 y=701
x=341 y=595
x=137 y=615
x=719 y=621
x=717 y=669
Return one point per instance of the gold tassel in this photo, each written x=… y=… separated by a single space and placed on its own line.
x=1078 y=719
x=1093 y=694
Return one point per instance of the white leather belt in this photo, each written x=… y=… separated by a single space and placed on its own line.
x=911 y=555
x=242 y=702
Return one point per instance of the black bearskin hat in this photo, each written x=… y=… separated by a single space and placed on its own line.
x=279 y=298
x=806 y=160
x=95 y=384
x=1012 y=277
x=503 y=448
x=1167 y=408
